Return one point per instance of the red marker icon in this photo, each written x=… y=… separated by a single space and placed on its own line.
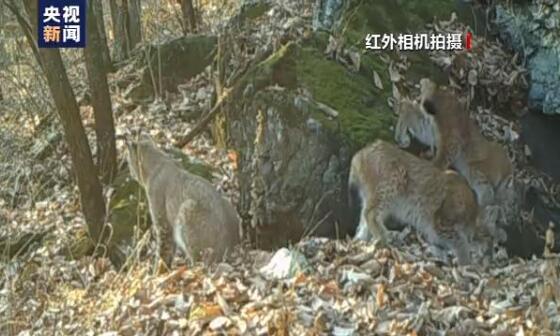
x=468 y=40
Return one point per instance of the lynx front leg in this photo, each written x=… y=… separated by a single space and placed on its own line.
x=160 y=230
x=166 y=245
x=362 y=232
x=157 y=237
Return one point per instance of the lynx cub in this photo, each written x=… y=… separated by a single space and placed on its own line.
x=187 y=211
x=439 y=204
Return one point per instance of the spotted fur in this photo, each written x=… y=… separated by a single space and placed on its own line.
x=439 y=204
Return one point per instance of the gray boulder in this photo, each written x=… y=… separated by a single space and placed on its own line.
x=534 y=32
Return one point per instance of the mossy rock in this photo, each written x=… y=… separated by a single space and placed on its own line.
x=172 y=63
x=306 y=152
x=251 y=10
x=363 y=112
x=80 y=245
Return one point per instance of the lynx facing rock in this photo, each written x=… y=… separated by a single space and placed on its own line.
x=439 y=204
x=443 y=121
x=187 y=211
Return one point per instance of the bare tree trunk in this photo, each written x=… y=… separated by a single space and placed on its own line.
x=101 y=100
x=29 y=30
x=127 y=27
x=134 y=23
x=119 y=18
x=189 y=17
x=105 y=54
x=91 y=195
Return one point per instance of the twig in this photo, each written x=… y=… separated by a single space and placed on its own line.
x=226 y=93
x=201 y=125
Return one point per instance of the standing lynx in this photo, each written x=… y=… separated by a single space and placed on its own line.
x=187 y=211
x=439 y=204
x=484 y=163
x=460 y=145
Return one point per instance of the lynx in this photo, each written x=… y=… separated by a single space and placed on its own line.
x=439 y=204
x=187 y=211
x=459 y=144
x=412 y=122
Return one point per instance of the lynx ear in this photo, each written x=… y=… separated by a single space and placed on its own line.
x=429 y=106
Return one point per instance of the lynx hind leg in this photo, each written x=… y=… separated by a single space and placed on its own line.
x=184 y=230
x=461 y=248
x=455 y=235
x=371 y=222
x=375 y=216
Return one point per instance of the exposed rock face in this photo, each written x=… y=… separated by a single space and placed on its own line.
x=533 y=29
x=540 y=133
x=298 y=117
x=325 y=13
x=293 y=182
x=545 y=88
x=292 y=167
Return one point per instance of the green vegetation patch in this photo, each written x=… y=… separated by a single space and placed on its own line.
x=363 y=112
x=396 y=16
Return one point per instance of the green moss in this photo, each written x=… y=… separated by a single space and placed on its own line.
x=193 y=165
x=279 y=68
x=254 y=11
x=128 y=208
x=80 y=246
x=347 y=92
x=364 y=114
x=422 y=66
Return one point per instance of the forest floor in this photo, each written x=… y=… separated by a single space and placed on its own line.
x=317 y=287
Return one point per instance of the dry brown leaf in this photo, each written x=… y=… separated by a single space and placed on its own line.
x=206 y=311
x=380 y=295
